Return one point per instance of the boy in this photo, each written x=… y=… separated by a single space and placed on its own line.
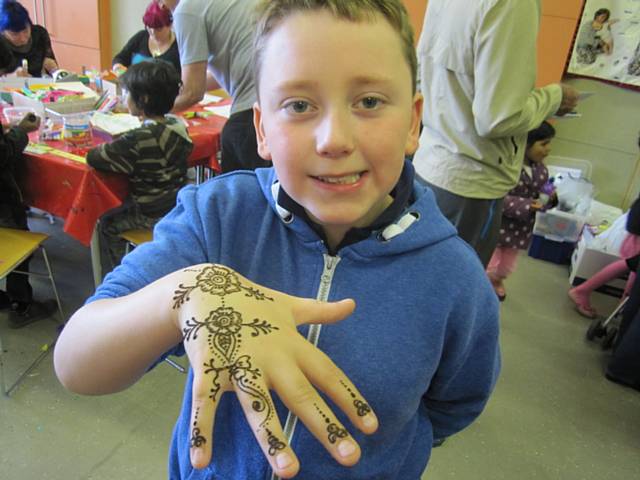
x=339 y=215
x=18 y=297
x=154 y=156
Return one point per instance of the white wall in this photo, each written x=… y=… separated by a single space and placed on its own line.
x=126 y=19
x=607 y=135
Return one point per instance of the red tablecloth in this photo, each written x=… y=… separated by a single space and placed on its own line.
x=80 y=195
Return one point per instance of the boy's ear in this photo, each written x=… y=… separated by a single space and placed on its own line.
x=416 y=117
x=263 y=148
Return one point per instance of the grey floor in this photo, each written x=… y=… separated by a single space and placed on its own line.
x=553 y=415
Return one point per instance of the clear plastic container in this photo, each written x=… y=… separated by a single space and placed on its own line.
x=14 y=115
x=76 y=129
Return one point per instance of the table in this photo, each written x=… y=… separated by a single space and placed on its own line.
x=80 y=195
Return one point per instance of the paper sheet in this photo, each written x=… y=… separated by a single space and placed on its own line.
x=41 y=149
x=37 y=148
x=115 y=124
x=208 y=98
x=222 y=110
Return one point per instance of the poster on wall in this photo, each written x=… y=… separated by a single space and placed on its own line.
x=607 y=45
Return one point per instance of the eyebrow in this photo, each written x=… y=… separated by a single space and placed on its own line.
x=358 y=81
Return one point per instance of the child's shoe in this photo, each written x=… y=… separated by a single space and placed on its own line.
x=582 y=305
x=25 y=313
x=498 y=287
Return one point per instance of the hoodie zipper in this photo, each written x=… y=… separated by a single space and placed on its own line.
x=330 y=263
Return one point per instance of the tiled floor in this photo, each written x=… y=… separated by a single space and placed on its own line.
x=553 y=415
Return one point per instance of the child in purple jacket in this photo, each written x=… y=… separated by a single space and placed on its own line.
x=520 y=207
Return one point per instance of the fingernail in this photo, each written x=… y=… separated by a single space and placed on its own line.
x=284 y=460
x=369 y=421
x=346 y=448
x=196 y=456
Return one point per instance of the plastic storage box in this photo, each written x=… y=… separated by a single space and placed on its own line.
x=559 y=226
x=14 y=115
x=588 y=260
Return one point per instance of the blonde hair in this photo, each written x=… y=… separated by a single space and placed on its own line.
x=271 y=12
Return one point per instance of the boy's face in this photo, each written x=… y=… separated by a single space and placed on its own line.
x=131 y=105
x=336 y=116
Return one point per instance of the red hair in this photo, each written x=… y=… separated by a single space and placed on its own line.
x=157 y=16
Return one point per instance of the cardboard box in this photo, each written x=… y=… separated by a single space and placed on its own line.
x=587 y=261
x=559 y=226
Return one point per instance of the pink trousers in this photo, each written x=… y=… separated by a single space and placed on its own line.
x=503 y=262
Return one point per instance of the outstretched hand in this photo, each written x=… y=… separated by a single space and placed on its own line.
x=242 y=337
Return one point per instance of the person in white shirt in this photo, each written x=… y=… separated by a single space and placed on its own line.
x=478 y=69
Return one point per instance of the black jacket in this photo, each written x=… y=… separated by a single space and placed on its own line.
x=633 y=220
x=12 y=143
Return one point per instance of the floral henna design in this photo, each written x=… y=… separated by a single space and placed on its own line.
x=333 y=429
x=197 y=440
x=362 y=408
x=224 y=327
x=275 y=445
x=216 y=280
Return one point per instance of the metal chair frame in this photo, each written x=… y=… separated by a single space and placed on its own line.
x=45 y=349
x=134 y=238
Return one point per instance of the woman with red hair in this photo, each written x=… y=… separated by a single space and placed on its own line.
x=157 y=40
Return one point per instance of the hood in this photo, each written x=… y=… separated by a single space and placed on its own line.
x=420 y=225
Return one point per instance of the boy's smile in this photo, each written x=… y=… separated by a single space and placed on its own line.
x=337 y=116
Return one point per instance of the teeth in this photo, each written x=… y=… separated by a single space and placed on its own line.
x=346 y=180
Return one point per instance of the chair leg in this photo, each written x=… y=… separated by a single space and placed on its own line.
x=199 y=174
x=45 y=349
x=53 y=284
x=175 y=365
x=3 y=384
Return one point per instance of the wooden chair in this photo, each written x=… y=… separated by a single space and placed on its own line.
x=134 y=238
x=15 y=247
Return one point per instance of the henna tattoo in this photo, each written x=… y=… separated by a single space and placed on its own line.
x=362 y=408
x=333 y=429
x=224 y=325
x=275 y=445
x=224 y=328
x=216 y=280
x=197 y=440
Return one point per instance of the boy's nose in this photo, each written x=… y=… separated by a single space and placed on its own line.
x=334 y=136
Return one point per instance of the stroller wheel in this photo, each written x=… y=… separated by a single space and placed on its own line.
x=595 y=329
x=609 y=338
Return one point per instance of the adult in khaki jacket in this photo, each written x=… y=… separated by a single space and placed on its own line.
x=478 y=69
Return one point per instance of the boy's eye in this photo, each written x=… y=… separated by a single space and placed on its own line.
x=370 y=103
x=297 y=106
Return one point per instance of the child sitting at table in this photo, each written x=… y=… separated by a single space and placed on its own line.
x=154 y=156
x=339 y=215
x=18 y=297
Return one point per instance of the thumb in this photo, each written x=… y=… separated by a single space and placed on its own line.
x=306 y=310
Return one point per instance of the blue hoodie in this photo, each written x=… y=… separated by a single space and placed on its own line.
x=422 y=344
